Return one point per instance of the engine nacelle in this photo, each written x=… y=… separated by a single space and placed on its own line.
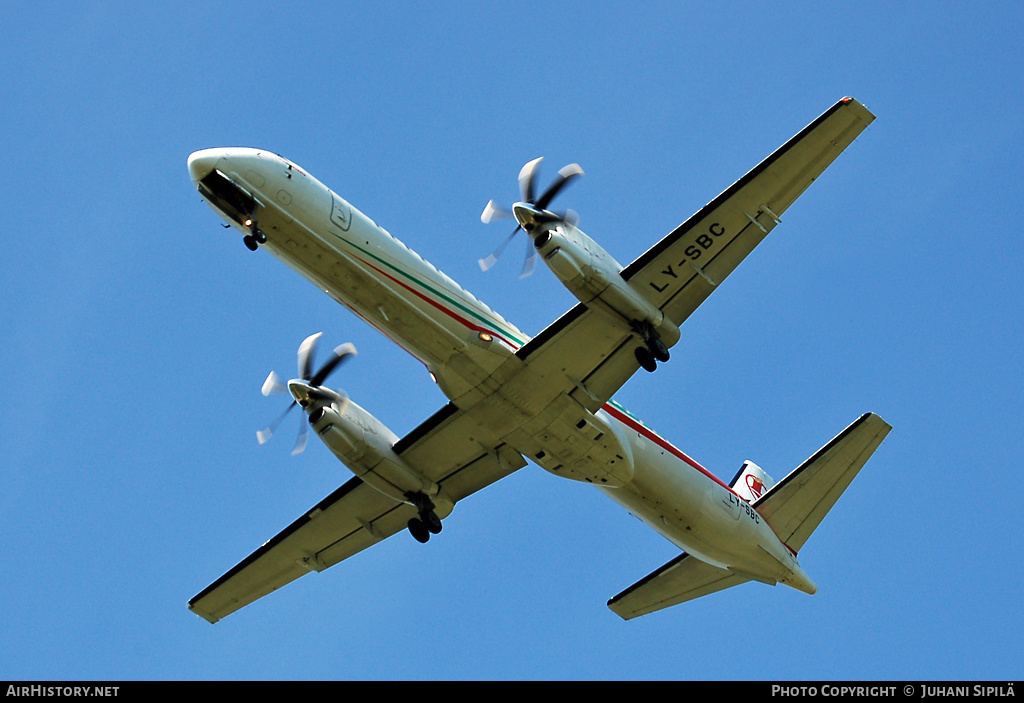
x=364 y=444
x=594 y=277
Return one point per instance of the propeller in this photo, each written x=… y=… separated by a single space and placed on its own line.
x=527 y=188
x=274 y=385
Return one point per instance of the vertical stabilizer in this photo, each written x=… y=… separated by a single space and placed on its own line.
x=751 y=482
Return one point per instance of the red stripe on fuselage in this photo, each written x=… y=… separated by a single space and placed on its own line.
x=450 y=313
x=637 y=427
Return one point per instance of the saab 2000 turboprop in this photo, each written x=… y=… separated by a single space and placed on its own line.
x=547 y=399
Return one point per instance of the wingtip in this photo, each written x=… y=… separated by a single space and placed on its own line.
x=858 y=107
x=208 y=617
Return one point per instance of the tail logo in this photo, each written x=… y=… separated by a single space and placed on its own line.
x=755 y=486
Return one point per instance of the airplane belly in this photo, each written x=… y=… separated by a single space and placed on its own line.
x=372 y=286
x=700 y=515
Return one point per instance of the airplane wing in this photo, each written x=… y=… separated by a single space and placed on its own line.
x=682 y=579
x=679 y=272
x=356 y=516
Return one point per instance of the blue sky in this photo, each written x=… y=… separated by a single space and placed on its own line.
x=137 y=331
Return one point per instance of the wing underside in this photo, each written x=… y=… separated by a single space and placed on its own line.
x=682 y=269
x=356 y=516
x=593 y=358
x=342 y=524
x=682 y=579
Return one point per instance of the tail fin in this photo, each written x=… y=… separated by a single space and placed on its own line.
x=751 y=482
x=797 y=504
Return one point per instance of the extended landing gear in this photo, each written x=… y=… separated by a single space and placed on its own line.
x=422 y=527
x=655 y=350
x=428 y=523
x=255 y=237
x=646 y=359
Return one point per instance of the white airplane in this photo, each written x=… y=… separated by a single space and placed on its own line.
x=546 y=399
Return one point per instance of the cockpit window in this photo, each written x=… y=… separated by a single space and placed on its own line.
x=227 y=196
x=292 y=167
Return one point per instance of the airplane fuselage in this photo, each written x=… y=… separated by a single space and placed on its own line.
x=465 y=345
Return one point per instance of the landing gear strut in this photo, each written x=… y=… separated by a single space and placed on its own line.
x=427 y=523
x=655 y=350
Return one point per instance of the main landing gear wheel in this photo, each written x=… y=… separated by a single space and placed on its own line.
x=658 y=349
x=426 y=524
x=646 y=359
x=654 y=350
x=418 y=530
x=432 y=522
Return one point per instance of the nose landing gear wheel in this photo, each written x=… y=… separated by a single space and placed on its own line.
x=255 y=237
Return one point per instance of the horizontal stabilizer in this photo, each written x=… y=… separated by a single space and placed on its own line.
x=682 y=579
x=797 y=504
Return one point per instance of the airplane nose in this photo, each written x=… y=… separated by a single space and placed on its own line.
x=201 y=163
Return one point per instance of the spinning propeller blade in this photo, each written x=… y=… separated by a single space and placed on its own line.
x=274 y=385
x=527 y=178
x=267 y=432
x=565 y=174
x=492 y=258
x=527 y=188
x=493 y=211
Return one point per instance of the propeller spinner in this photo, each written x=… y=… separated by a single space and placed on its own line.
x=305 y=389
x=530 y=212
